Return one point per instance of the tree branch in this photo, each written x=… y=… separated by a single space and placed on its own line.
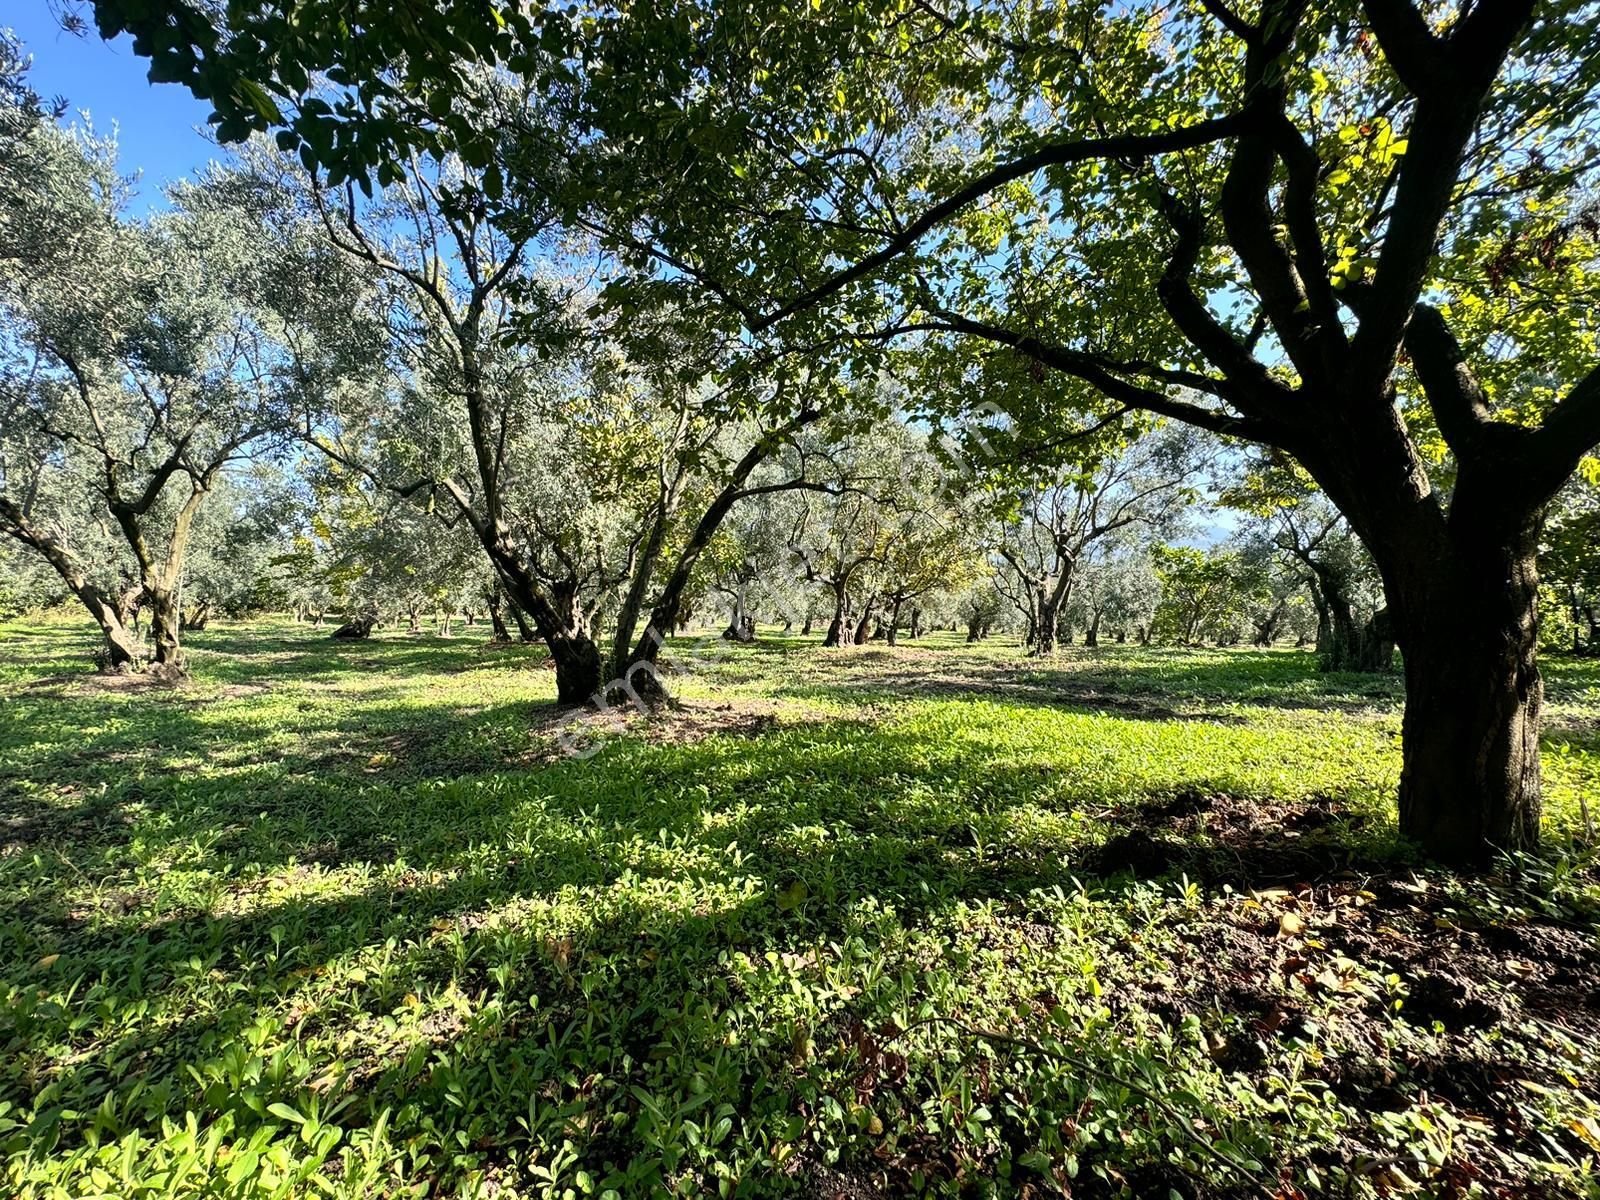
x=1124 y=146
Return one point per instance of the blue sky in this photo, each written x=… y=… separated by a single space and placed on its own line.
x=156 y=123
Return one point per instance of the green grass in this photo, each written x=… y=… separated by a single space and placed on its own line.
x=345 y=920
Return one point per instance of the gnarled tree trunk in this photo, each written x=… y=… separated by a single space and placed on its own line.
x=838 y=628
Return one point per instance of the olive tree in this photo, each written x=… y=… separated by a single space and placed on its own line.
x=145 y=359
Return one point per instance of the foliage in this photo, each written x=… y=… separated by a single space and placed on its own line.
x=341 y=921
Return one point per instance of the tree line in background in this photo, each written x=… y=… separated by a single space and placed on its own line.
x=926 y=303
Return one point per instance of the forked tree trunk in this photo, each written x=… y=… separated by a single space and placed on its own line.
x=198 y=617
x=121 y=645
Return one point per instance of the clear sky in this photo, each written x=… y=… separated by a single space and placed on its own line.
x=160 y=127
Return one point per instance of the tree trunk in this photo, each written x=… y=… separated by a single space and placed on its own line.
x=497 y=618
x=121 y=646
x=357 y=628
x=164 y=626
x=1470 y=776
x=837 y=628
x=1045 y=621
x=741 y=626
x=197 y=618
x=859 y=637
x=894 y=622
x=916 y=622
x=577 y=661
x=525 y=631
x=1350 y=645
x=1092 y=637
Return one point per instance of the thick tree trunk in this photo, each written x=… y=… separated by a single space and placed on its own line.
x=741 y=625
x=974 y=629
x=894 y=622
x=1267 y=627
x=1092 y=636
x=164 y=626
x=577 y=661
x=1462 y=590
x=1343 y=642
x=1470 y=776
x=838 y=629
x=1045 y=622
x=357 y=628
x=916 y=622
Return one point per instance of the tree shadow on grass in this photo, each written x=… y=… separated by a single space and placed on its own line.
x=719 y=930
x=677 y=875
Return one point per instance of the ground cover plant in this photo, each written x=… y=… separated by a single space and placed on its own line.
x=347 y=919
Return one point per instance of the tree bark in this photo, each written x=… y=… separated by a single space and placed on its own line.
x=838 y=629
x=164 y=625
x=120 y=644
x=198 y=617
x=1046 y=619
x=859 y=636
x=1470 y=780
x=497 y=618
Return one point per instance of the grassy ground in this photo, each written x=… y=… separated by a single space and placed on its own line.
x=371 y=919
